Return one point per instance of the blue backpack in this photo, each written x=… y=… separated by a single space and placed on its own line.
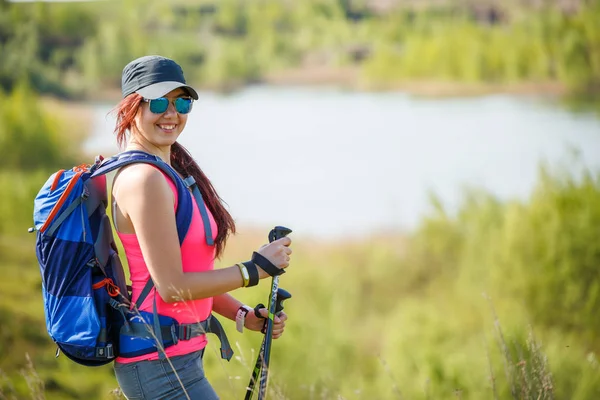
x=87 y=301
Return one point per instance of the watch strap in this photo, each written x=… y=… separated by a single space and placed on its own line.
x=240 y=317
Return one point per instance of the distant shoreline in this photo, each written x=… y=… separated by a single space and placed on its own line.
x=348 y=78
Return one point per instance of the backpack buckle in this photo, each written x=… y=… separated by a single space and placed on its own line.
x=174 y=334
x=105 y=352
x=185 y=332
x=97 y=163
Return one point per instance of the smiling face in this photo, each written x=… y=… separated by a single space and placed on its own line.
x=159 y=130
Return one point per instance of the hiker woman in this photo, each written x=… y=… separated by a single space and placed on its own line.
x=150 y=118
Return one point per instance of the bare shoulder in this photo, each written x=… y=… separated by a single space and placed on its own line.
x=140 y=179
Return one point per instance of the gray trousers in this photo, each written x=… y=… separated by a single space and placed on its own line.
x=158 y=379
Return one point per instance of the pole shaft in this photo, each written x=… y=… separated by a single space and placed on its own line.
x=264 y=376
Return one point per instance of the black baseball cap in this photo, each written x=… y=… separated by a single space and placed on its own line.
x=153 y=77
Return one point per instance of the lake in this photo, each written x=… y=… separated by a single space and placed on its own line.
x=330 y=163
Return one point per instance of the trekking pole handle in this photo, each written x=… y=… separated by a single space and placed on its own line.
x=278 y=232
x=282 y=295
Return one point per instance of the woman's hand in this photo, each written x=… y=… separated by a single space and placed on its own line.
x=278 y=252
x=254 y=323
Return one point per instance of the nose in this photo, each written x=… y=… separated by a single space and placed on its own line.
x=171 y=111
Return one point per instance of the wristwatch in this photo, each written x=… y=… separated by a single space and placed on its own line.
x=240 y=317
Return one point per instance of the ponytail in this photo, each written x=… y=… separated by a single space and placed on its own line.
x=182 y=162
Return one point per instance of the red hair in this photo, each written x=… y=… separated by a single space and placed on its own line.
x=183 y=162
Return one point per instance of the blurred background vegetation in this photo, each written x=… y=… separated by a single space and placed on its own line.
x=499 y=300
x=76 y=50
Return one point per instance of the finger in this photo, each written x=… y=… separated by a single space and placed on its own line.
x=279 y=327
x=281 y=250
x=264 y=313
x=285 y=241
x=282 y=316
x=278 y=330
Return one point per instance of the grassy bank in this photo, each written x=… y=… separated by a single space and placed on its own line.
x=497 y=301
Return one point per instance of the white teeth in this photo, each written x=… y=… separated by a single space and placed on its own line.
x=167 y=126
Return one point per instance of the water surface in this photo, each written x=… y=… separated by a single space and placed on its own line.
x=331 y=163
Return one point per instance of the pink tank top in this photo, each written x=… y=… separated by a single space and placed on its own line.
x=196 y=256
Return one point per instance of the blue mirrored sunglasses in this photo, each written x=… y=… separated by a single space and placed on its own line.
x=183 y=105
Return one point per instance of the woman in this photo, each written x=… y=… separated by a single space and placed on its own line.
x=150 y=118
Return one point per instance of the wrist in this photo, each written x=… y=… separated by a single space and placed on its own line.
x=253 y=273
x=245 y=274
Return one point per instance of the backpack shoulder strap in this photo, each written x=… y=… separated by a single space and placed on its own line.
x=190 y=182
x=183 y=214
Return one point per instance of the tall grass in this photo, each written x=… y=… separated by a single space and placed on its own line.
x=387 y=317
x=407 y=316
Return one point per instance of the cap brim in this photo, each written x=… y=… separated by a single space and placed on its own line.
x=160 y=89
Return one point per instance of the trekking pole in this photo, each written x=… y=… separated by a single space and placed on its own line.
x=282 y=295
x=265 y=354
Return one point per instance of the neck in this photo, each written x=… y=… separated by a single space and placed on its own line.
x=163 y=152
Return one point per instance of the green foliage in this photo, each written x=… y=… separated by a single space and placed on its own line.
x=385 y=317
x=30 y=136
x=16 y=203
x=38 y=43
x=398 y=316
x=35 y=140
x=540 y=47
x=78 y=49
x=557 y=269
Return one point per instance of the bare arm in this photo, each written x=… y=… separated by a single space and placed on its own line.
x=146 y=208
x=226 y=305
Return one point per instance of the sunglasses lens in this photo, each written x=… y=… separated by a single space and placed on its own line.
x=183 y=105
x=159 y=106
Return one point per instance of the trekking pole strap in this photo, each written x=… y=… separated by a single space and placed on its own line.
x=266 y=265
